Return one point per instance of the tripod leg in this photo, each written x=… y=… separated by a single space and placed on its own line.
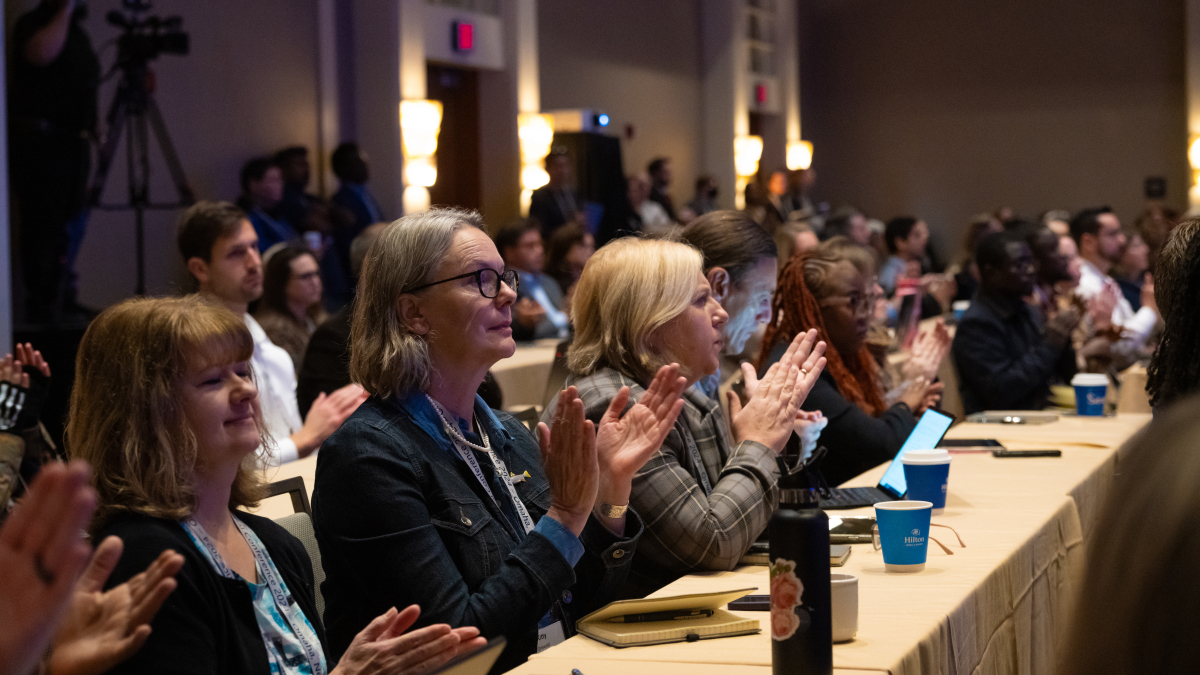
x=117 y=117
x=186 y=196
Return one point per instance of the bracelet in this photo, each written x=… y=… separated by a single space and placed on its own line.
x=612 y=511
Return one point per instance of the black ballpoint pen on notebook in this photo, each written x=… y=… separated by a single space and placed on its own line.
x=670 y=615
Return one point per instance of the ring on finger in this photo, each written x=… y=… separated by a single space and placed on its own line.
x=803 y=372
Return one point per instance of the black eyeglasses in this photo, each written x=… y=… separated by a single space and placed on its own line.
x=487 y=278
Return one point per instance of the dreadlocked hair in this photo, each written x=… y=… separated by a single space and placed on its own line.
x=1174 y=370
x=796 y=307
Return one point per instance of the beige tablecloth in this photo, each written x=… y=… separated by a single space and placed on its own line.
x=998 y=606
x=522 y=376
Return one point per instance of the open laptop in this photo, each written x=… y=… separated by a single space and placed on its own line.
x=929 y=431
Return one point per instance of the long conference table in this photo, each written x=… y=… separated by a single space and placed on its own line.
x=1000 y=605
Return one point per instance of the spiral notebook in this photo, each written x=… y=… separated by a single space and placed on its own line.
x=604 y=624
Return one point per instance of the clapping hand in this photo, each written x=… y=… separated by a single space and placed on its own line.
x=103 y=628
x=569 y=459
x=29 y=356
x=920 y=394
x=928 y=351
x=41 y=553
x=625 y=442
x=770 y=415
x=383 y=647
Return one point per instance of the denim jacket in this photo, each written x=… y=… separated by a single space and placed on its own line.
x=401 y=519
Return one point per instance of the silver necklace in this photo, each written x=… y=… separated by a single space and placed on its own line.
x=457 y=435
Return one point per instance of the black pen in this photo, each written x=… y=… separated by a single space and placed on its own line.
x=670 y=615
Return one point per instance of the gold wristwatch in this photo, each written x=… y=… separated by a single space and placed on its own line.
x=610 y=511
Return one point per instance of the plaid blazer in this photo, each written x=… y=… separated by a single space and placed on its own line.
x=687 y=530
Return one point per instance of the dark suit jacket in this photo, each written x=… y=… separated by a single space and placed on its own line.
x=544 y=208
x=546 y=328
x=1004 y=361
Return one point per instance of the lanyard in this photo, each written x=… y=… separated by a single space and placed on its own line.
x=464 y=450
x=300 y=625
x=697 y=460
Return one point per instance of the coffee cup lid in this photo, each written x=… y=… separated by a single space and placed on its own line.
x=935 y=456
x=1090 y=380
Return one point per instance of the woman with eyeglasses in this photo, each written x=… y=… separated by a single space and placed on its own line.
x=825 y=289
x=426 y=495
x=291 y=309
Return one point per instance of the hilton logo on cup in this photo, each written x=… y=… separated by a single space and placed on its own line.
x=916 y=538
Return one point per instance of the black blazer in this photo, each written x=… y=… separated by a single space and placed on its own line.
x=1003 y=357
x=207 y=625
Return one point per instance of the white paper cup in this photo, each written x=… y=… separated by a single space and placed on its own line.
x=843 y=604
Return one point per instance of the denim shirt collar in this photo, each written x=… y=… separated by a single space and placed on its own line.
x=418 y=408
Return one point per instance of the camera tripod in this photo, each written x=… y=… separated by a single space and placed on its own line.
x=134 y=107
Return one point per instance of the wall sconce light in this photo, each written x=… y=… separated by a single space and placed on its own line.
x=747 y=150
x=420 y=122
x=536 y=133
x=799 y=155
x=1194 y=153
x=420 y=171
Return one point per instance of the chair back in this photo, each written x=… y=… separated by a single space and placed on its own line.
x=300 y=526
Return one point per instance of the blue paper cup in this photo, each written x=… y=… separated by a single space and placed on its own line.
x=960 y=307
x=927 y=473
x=904 y=534
x=1090 y=391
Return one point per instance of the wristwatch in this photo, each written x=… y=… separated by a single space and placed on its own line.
x=611 y=511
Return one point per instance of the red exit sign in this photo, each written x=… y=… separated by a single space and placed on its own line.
x=462 y=36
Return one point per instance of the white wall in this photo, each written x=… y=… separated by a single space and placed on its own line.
x=248 y=87
x=640 y=62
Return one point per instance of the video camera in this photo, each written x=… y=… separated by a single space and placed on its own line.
x=145 y=38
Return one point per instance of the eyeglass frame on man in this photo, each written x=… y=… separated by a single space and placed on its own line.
x=514 y=281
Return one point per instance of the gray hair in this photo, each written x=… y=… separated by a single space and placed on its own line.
x=386 y=357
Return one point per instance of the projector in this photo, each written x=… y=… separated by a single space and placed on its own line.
x=583 y=119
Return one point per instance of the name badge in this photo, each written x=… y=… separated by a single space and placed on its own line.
x=550 y=635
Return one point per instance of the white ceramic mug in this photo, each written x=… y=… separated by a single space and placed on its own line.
x=843 y=606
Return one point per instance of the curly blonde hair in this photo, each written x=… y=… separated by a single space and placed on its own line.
x=126 y=419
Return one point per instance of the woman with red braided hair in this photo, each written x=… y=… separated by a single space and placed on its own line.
x=831 y=290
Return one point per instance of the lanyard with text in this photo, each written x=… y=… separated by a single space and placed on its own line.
x=463 y=446
x=301 y=627
x=697 y=460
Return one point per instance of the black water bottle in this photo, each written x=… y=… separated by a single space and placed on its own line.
x=801 y=628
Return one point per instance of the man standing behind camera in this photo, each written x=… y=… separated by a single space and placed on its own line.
x=52 y=116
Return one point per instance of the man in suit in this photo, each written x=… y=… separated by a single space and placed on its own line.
x=539 y=309
x=555 y=203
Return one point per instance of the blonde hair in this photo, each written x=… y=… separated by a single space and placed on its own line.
x=387 y=358
x=126 y=419
x=629 y=288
